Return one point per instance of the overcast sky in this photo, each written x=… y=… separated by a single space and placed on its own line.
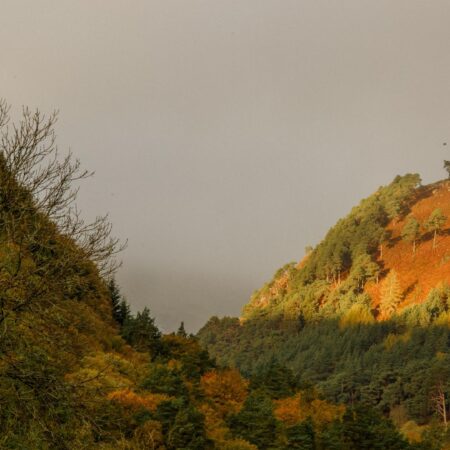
x=228 y=135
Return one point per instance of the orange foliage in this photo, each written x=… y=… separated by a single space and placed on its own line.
x=134 y=401
x=288 y=410
x=419 y=273
x=227 y=390
x=293 y=410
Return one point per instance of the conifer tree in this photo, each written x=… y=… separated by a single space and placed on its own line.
x=447 y=167
x=255 y=422
x=142 y=333
x=181 y=331
x=391 y=293
x=188 y=431
x=119 y=306
x=435 y=223
x=301 y=436
x=411 y=232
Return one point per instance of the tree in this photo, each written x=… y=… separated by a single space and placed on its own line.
x=447 y=167
x=119 y=306
x=142 y=333
x=301 y=436
x=39 y=217
x=181 y=331
x=435 y=223
x=411 y=232
x=188 y=430
x=391 y=293
x=255 y=422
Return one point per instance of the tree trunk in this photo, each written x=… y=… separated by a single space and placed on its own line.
x=434 y=239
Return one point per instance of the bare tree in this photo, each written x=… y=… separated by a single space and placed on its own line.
x=38 y=190
x=32 y=161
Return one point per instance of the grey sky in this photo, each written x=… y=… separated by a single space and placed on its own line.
x=227 y=135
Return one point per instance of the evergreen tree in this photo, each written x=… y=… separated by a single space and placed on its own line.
x=255 y=422
x=163 y=380
x=119 y=306
x=391 y=293
x=142 y=333
x=435 y=223
x=188 y=431
x=447 y=167
x=181 y=331
x=274 y=379
x=301 y=436
x=411 y=232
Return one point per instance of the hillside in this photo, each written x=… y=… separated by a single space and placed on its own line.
x=429 y=267
x=364 y=248
x=365 y=316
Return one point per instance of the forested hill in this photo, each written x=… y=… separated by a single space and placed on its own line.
x=387 y=254
x=365 y=315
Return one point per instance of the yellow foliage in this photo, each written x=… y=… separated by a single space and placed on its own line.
x=443 y=319
x=357 y=314
x=412 y=431
x=104 y=371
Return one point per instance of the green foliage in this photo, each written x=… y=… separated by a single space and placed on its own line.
x=256 y=422
x=188 y=431
x=411 y=232
x=381 y=364
x=163 y=380
x=276 y=380
x=301 y=436
x=142 y=333
x=435 y=223
x=119 y=306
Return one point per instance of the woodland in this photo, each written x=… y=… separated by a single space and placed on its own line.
x=336 y=352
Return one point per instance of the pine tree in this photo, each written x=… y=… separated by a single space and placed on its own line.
x=411 y=232
x=447 y=167
x=188 y=431
x=391 y=293
x=435 y=223
x=301 y=436
x=119 y=306
x=142 y=333
x=255 y=422
x=181 y=331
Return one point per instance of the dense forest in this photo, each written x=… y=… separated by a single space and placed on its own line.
x=316 y=369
